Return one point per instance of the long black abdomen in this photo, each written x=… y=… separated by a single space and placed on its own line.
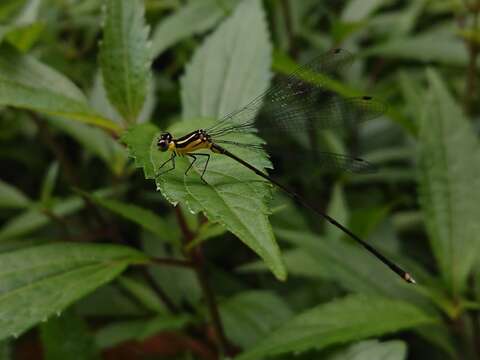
x=298 y=199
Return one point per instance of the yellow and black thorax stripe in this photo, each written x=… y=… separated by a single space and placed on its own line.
x=191 y=142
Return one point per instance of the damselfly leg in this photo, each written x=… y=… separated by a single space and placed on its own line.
x=194 y=157
x=172 y=159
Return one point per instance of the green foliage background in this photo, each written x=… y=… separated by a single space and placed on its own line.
x=98 y=259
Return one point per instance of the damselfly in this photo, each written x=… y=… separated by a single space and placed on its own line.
x=298 y=102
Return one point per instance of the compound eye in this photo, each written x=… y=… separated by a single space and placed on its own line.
x=162 y=145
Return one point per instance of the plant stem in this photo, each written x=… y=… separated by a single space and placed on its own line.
x=196 y=257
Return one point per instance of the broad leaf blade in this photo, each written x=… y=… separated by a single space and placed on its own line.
x=193 y=18
x=373 y=349
x=227 y=71
x=145 y=218
x=55 y=275
x=35 y=218
x=96 y=141
x=24 y=28
x=139 y=140
x=251 y=315
x=11 y=197
x=449 y=180
x=360 y=10
x=334 y=257
x=142 y=293
x=125 y=56
x=48 y=185
x=425 y=47
x=26 y=83
x=231 y=67
x=119 y=332
x=352 y=318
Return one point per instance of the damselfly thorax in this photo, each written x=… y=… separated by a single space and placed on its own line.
x=196 y=140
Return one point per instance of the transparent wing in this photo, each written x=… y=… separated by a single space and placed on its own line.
x=325 y=160
x=329 y=160
x=301 y=101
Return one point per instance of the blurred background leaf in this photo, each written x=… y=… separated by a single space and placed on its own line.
x=125 y=57
x=85 y=89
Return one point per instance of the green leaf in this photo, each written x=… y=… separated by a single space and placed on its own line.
x=408 y=18
x=125 y=56
x=118 y=332
x=35 y=218
x=226 y=72
x=96 y=141
x=24 y=37
x=285 y=65
x=413 y=94
x=425 y=47
x=11 y=197
x=139 y=141
x=333 y=256
x=8 y=8
x=234 y=196
x=449 y=180
x=26 y=83
x=231 y=67
x=24 y=28
x=110 y=301
x=205 y=232
x=67 y=337
x=195 y=17
x=251 y=315
x=346 y=264
x=358 y=10
x=40 y=281
x=352 y=318
x=144 y=294
x=29 y=12
x=299 y=262
x=373 y=349
x=180 y=284
x=143 y=217
x=99 y=100
x=49 y=185
x=339 y=211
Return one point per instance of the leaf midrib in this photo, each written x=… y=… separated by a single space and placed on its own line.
x=232 y=210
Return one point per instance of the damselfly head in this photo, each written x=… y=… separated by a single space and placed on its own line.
x=164 y=141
